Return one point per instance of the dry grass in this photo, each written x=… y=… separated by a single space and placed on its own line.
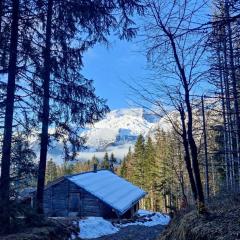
x=222 y=222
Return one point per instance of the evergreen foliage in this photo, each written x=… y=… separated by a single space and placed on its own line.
x=157 y=167
x=51 y=171
x=105 y=164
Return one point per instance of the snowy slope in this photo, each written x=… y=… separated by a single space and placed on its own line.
x=118 y=127
x=117 y=132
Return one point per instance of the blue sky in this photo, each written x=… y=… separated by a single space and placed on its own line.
x=121 y=61
x=109 y=67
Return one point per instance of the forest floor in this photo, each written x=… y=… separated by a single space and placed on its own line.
x=221 y=223
x=136 y=232
x=146 y=225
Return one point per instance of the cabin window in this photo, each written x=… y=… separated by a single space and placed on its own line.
x=74 y=202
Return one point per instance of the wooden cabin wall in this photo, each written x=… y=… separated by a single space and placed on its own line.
x=56 y=199
x=66 y=198
x=89 y=204
x=131 y=212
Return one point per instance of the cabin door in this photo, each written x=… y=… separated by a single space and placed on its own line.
x=75 y=202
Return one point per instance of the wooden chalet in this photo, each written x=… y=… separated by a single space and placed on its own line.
x=98 y=193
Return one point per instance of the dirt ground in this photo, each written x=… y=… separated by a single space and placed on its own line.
x=136 y=232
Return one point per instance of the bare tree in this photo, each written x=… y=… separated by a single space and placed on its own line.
x=176 y=53
x=224 y=75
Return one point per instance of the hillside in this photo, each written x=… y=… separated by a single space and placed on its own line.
x=221 y=222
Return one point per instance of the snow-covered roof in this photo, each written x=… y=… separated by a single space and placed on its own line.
x=110 y=188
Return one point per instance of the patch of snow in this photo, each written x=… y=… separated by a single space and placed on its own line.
x=99 y=138
x=94 y=227
x=149 y=219
x=155 y=218
x=143 y=212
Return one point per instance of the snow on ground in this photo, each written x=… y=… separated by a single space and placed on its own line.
x=94 y=227
x=143 y=212
x=151 y=219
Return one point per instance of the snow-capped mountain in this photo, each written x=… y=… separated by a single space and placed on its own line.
x=117 y=132
x=118 y=127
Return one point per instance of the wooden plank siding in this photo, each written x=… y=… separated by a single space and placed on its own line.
x=66 y=198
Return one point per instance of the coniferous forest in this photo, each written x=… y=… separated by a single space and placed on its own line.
x=189 y=165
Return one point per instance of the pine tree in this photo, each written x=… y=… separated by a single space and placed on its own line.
x=151 y=173
x=45 y=109
x=129 y=164
x=163 y=171
x=23 y=165
x=95 y=160
x=105 y=162
x=112 y=161
x=139 y=163
x=8 y=123
x=224 y=59
x=123 y=168
x=51 y=171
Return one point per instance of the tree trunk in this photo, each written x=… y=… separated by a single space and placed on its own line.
x=187 y=157
x=205 y=149
x=45 y=110
x=191 y=141
x=230 y=135
x=225 y=138
x=194 y=155
x=8 y=121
